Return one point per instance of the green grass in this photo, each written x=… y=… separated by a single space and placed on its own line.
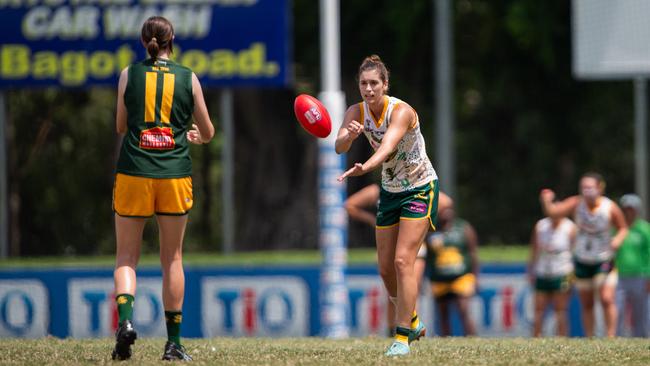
x=490 y=253
x=357 y=352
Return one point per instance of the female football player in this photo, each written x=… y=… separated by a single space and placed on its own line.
x=156 y=100
x=549 y=269
x=596 y=216
x=409 y=189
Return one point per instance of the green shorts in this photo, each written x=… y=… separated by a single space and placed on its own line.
x=552 y=284
x=414 y=204
x=588 y=271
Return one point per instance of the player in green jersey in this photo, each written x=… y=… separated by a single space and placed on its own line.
x=633 y=263
x=452 y=262
x=156 y=101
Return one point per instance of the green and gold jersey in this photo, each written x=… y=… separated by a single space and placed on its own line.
x=408 y=167
x=159 y=105
x=447 y=253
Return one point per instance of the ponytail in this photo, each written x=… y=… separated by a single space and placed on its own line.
x=153 y=48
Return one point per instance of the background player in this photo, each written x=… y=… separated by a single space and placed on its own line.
x=596 y=217
x=633 y=264
x=453 y=267
x=550 y=268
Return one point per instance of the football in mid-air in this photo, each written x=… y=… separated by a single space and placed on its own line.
x=312 y=115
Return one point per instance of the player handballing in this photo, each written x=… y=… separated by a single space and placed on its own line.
x=596 y=216
x=409 y=190
x=156 y=100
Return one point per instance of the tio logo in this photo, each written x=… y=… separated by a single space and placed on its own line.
x=24 y=309
x=92 y=310
x=369 y=306
x=248 y=306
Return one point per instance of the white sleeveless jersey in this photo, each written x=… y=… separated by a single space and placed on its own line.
x=554 y=248
x=409 y=166
x=593 y=243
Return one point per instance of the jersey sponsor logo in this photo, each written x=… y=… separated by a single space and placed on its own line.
x=417 y=207
x=157 y=138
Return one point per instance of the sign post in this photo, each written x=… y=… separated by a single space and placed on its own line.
x=333 y=218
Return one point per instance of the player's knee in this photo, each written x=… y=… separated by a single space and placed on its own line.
x=169 y=258
x=607 y=300
x=402 y=265
x=127 y=259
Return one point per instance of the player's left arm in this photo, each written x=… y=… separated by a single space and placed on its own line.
x=402 y=118
x=472 y=247
x=202 y=131
x=120 y=110
x=618 y=219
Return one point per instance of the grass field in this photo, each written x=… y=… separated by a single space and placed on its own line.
x=487 y=254
x=357 y=352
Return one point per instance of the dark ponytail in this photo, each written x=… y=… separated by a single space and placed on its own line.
x=153 y=48
x=158 y=35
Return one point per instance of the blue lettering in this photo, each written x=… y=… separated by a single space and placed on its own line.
x=150 y=326
x=355 y=297
x=521 y=307
x=280 y=324
x=486 y=296
x=94 y=299
x=6 y=317
x=228 y=297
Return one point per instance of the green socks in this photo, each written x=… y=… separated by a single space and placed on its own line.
x=124 y=306
x=173 y=320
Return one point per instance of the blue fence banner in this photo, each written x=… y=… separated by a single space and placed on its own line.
x=74 y=43
x=255 y=301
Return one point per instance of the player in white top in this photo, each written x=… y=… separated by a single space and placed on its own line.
x=409 y=190
x=596 y=216
x=550 y=268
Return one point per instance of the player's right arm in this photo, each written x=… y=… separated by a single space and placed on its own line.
x=533 y=255
x=562 y=208
x=350 y=129
x=444 y=202
x=618 y=221
x=120 y=110
x=203 y=130
x=355 y=204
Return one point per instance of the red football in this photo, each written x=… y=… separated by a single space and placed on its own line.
x=312 y=115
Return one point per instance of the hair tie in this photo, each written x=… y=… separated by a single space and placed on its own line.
x=154 y=39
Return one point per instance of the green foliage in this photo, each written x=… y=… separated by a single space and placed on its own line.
x=60 y=162
x=523 y=122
